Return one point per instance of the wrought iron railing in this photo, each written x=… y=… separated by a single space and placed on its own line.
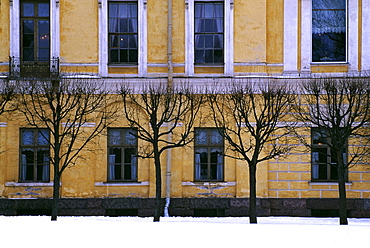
x=33 y=69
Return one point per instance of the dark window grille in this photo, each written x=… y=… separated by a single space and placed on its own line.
x=122 y=154
x=329 y=31
x=209 y=33
x=209 y=159
x=324 y=165
x=35 y=155
x=123 y=32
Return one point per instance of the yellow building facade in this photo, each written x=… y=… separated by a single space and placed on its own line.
x=200 y=43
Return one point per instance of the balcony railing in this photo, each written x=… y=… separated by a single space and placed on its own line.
x=33 y=69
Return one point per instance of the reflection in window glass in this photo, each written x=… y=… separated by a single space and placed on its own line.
x=209 y=32
x=329 y=30
x=122 y=154
x=208 y=155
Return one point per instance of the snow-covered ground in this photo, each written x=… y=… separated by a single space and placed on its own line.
x=86 y=232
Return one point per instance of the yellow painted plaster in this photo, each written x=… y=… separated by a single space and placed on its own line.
x=157 y=31
x=122 y=70
x=275 y=31
x=250 y=31
x=79 y=31
x=4 y=32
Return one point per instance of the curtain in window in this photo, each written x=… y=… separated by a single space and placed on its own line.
x=24 y=167
x=219 y=166
x=197 y=166
x=112 y=160
x=45 y=171
x=315 y=165
x=133 y=167
x=328 y=16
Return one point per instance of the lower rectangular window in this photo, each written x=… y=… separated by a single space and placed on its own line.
x=209 y=158
x=34 y=155
x=122 y=154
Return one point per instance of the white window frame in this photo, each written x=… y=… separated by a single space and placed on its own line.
x=103 y=37
x=365 y=55
x=228 y=36
x=291 y=37
x=306 y=37
x=15 y=28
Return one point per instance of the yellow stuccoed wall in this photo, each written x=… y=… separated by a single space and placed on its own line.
x=79 y=31
x=4 y=34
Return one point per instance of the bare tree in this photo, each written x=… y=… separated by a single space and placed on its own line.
x=253 y=120
x=339 y=110
x=73 y=110
x=7 y=94
x=156 y=111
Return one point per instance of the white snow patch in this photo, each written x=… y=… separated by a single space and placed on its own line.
x=86 y=232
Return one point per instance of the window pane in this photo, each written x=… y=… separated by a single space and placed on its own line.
x=43 y=27
x=27 y=137
x=28 y=40
x=28 y=54
x=133 y=55
x=114 y=137
x=43 y=138
x=113 y=10
x=114 y=55
x=123 y=25
x=113 y=25
x=123 y=41
x=43 y=10
x=328 y=30
x=201 y=137
x=28 y=27
x=28 y=9
x=114 y=41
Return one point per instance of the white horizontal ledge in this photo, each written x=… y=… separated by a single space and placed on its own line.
x=3 y=124
x=121 y=184
x=208 y=183
x=87 y=124
x=16 y=184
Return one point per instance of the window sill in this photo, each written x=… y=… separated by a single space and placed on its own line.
x=120 y=184
x=327 y=183
x=330 y=63
x=123 y=65
x=209 y=65
x=199 y=183
x=35 y=184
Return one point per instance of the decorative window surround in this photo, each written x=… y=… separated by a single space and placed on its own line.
x=103 y=38
x=228 y=37
x=291 y=37
x=15 y=28
x=365 y=58
x=306 y=37
x=15 y=184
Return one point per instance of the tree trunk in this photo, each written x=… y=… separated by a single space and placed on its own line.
x=158 y=185
x=342 y=195
x=56 y=194
x=253 y=195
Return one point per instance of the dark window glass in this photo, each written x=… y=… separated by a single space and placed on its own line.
x=329 y=30
x=209 y=32
x=35 y=30
x=324 y=166
x=34 y=157
x=123 y=32
x=122 y=154
x=209 y=160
